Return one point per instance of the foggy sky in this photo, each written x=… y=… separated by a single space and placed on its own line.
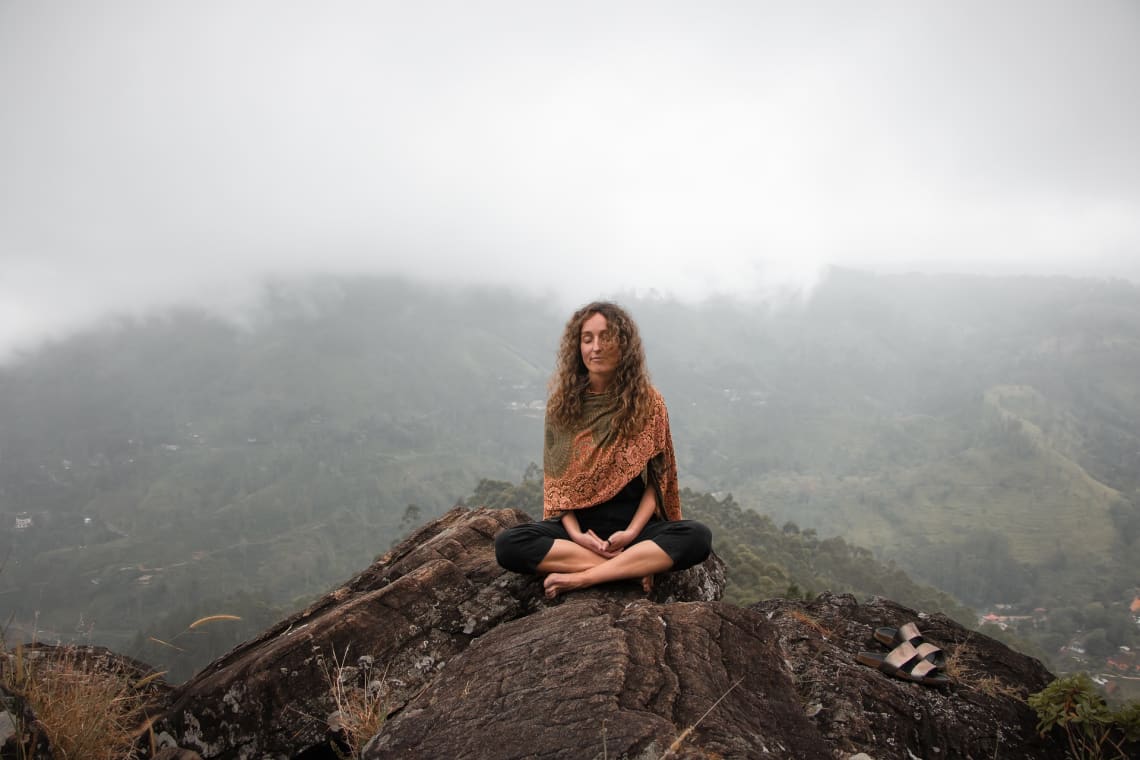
x=162 y=152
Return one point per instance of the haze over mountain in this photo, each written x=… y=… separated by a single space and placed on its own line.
x=178 y=153
x=981 y=434
x=279 y=280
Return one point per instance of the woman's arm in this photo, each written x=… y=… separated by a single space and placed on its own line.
x=645 y=510
x=588 y=539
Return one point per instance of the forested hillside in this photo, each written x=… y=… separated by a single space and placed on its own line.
x=183 y=465
x=981 y=434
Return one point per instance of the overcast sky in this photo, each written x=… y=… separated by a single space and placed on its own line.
x=158 y=151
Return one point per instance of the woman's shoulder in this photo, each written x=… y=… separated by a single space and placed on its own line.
x=655 y=397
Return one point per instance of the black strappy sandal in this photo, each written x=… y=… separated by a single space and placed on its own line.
x=905 y=662
x=909 y=633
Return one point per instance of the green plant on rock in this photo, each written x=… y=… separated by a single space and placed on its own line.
x=1128 y=719
x=1092 y=729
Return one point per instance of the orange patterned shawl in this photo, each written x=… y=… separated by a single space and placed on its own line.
x=588 y=464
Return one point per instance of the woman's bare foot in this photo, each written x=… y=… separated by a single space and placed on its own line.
x=638 y=561
x=557 y=583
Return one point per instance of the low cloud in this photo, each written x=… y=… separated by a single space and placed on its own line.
x=181 y=152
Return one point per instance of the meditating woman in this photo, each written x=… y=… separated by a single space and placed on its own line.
x=611 y=506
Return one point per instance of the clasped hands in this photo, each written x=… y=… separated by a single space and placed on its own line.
x=608 y=548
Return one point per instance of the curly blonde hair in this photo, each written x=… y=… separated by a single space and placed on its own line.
x=571 y=378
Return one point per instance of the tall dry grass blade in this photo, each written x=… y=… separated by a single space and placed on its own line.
x=147 y=726
x=152 y=677
x=211 y=619
x=688 y=731
x=165 y=643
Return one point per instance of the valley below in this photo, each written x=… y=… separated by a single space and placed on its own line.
x=963 y=445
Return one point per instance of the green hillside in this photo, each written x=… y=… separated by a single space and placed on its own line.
x=981 y=434
x=1006 y=479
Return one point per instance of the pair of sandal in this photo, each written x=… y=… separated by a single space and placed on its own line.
x=912 y=658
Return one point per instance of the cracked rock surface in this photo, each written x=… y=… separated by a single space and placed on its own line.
x=471 y=661
x=855 y=708
x=396 y=627
x=600 y=678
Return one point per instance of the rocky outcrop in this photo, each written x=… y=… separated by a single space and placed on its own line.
x=470 y=661
x=602 y=678
x=396 y=627
x=858 y=709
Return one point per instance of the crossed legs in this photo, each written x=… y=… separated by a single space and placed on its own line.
x=544 y=548
x=571 y=566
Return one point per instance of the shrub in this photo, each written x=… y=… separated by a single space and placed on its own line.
x=1090 y=726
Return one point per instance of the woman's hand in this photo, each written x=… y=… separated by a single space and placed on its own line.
x=599 y=545
x=620 y=540
x=593 y=542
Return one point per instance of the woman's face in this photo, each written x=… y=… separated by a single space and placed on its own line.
x=600 y=352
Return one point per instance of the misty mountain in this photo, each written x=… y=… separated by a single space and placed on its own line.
x=982 y=434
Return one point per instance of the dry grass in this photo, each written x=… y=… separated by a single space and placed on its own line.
x=805 y=619
x=675 y=747
x=959 y=666
x=994 y=687
x=196 y=624
x=87 y=710
x=359 y=698
x=957 y=658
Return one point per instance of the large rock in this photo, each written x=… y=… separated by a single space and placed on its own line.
x=471 y=661
x=398 y=625
x=856 y=708
x=597 y=678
